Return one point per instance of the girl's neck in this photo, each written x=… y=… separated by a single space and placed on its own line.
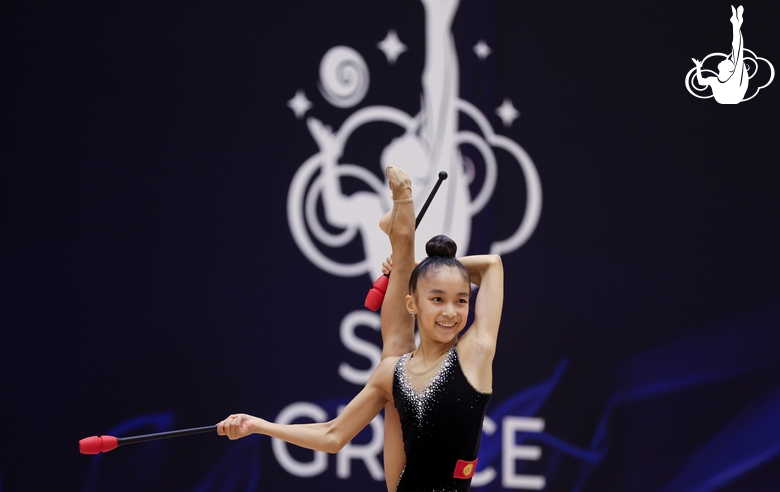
x=431 y=351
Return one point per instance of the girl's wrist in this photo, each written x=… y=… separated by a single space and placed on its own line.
x=257 y=426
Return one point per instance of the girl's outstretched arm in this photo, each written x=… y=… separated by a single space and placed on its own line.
x=326 y=436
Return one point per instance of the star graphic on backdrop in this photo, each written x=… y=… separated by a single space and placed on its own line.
x=482 y=49
x=507 y=112
x=391 y=46
x=299 y=104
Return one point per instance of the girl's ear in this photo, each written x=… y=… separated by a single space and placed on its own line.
x=410 y=305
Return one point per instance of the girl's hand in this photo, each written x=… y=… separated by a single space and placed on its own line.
x=387 y=265
x=237 y=426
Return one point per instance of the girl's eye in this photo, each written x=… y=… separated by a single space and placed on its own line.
x=463 y=301
x=436 y=299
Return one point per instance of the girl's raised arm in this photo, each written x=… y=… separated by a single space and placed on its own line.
x=487 y=271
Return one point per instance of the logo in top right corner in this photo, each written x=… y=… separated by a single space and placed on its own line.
x=731 y=84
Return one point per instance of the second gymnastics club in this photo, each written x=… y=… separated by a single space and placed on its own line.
x=376 y=295
x=104 y=444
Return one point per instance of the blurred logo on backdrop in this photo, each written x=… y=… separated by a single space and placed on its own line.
x=731 y=84
x=431 y=143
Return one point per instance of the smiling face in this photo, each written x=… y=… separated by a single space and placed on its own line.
x=441 y=303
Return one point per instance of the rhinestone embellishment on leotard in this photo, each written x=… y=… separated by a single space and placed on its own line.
x=422 y=400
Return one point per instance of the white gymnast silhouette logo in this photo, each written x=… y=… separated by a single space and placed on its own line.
x=432 y=142
x=730 y=84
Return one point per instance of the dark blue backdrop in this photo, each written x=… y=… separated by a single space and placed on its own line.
x=150 y=280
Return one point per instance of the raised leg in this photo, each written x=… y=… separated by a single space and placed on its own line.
x=397 y=322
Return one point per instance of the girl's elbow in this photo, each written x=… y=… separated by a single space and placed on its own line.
x=335 y=445
x=334 y=441
x=496 y=262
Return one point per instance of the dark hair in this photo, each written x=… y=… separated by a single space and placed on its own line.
x=441 y=252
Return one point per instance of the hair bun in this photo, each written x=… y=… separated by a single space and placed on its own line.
x=441 y=246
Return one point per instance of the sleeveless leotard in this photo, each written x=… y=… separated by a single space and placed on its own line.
x=441 y=425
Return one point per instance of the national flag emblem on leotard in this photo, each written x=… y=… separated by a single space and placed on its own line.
x=465 y=469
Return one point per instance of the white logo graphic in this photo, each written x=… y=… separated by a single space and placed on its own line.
x=432 y=142
x=730 y=84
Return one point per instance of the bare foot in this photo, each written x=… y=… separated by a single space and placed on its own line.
x=401 y=188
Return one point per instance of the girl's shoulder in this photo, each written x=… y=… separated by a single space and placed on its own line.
x=388 y=363
x=383 y=374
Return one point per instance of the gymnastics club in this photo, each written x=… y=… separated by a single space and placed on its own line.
x=376 y=295
x=98 y=444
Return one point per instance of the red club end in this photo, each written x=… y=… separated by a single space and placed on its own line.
x=377 y=293
x=98 y=444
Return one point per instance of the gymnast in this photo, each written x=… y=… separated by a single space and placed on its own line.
x=731 y=84
x=435 y=394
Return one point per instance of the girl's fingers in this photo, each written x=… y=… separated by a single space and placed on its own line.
x=227 y=427
x=235 y=427
x=387 y=265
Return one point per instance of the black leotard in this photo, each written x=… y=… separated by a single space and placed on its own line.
x=441 y=425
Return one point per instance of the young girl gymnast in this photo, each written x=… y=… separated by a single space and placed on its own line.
x=435 y=394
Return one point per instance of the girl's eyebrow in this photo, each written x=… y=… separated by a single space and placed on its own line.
x=439 y=291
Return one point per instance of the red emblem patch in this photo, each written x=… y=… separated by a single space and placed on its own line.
x=465 y=469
